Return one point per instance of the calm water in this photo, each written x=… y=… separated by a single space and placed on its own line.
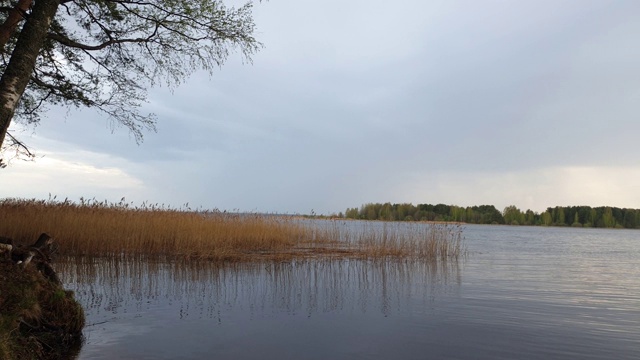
x=523 y=292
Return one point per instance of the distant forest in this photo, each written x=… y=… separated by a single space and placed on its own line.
x=578 y=216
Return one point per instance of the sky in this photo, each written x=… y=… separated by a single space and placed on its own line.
x=526 y=103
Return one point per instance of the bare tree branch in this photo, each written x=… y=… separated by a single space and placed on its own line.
x=74 y=44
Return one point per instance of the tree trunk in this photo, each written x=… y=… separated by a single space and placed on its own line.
x=16 y=15
x=23 y=59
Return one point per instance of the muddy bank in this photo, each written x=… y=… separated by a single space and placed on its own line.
x=39 y=319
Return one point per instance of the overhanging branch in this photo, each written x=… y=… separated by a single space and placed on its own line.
x=74 y=44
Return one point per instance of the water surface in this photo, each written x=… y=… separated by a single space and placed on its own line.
x=523 y=292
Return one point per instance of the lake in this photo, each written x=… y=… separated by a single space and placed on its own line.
x=521 y=292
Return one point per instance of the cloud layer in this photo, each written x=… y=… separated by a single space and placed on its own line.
x=460 y=102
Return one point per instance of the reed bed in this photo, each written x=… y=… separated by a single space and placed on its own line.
x=378 y=239
x=102 y=229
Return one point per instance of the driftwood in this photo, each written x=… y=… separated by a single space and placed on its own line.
x=38 y=254
x=6 y=246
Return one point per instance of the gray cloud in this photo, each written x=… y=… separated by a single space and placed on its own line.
x=356 y=101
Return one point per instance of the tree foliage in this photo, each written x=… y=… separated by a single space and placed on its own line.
x=582 y=216
x=485 y=214
x=513 y=216
x=105 y=54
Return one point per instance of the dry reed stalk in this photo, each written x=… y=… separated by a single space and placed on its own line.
x=93 y=228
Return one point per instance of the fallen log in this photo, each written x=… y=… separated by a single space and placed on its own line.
x=39 y=253
x=6 y=246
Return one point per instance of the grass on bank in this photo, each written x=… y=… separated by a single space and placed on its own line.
x=38 y=318
x=93 y=228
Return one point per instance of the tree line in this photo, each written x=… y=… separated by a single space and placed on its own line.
x=577 y=216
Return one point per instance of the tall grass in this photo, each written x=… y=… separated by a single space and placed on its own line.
x=94 y=228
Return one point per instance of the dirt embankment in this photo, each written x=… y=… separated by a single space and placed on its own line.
x=39 y=319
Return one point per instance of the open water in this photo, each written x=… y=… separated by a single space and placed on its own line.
x=521 y=293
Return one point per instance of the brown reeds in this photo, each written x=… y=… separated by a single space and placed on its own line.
x=93 y=228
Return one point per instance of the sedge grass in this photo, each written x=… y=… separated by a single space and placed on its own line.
x=101 y=229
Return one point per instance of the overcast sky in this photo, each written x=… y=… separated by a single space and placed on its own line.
x=534 y=104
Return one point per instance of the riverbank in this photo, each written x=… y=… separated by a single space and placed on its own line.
x=39 y=319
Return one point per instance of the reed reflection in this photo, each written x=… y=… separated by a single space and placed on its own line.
x=109 y=289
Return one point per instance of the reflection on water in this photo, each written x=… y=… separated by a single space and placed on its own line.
x=205 y=290
x=135 y=308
